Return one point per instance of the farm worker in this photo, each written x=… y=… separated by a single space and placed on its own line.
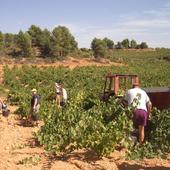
x=35 y=106
x=5 y=110
x=58 y=93
x=0 y=104
x=139 y=100
x=63 y=96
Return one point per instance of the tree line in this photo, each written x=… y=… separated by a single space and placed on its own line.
x=58 y=43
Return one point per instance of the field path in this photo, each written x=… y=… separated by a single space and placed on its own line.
x=18 y=150
x=70 y=62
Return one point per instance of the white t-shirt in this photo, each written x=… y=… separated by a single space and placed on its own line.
x=137 y=98
x=64 y=94
x=57 y=87
x=0 y=105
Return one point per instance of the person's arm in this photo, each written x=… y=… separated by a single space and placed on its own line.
x=0 y=105
x=65 y=94
x=148 y=105
x=124 y=100
x=35 y=103
x=149 y=108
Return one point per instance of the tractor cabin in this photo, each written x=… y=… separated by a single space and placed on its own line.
x=117 y=84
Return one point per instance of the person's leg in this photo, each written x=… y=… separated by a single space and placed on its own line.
x=62 y=104
x=30 y=114
x=58 y=100
x=37 y=109
x=37 y=116
x=141 y=134
x=139 y=119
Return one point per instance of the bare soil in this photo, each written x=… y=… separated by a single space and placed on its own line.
x=19 y=151
x=69 y=62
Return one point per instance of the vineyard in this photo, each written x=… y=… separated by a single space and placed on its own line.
x=86 y=122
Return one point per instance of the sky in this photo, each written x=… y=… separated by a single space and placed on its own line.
x=141 y=20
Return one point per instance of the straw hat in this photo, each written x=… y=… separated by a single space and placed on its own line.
x=34 y=90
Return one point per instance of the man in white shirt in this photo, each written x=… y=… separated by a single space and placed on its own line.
x=139 y=100
x=58 y=93
x=61 y=95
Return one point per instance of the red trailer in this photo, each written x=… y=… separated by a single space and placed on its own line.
x=117 y=84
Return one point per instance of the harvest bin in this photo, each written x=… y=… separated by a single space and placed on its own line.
x=159 y=96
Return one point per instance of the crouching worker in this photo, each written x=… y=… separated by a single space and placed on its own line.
x=58 y=93
x=35 y=107
x=4 y=108
x=63 y=96
x=139 y=100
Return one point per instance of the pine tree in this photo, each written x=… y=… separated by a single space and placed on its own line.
x=24 y=42
x=62 y=42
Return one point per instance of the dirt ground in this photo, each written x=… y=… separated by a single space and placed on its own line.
x=18 y=150
x=69 y=62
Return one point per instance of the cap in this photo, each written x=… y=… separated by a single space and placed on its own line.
x=34 y=90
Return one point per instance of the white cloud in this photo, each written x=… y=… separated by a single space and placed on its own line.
x=144 y=31
x=160 y=12
x=151 y=26
x=148 y=23
x=164 y=12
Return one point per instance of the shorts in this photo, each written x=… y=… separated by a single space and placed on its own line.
x=35 y=112
x=62 y=103
x=140 y=117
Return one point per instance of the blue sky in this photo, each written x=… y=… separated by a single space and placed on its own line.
x=142 y=20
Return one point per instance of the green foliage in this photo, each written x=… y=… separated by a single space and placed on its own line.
x=33 y=160
x=8 y=39
x=143 y=45
x=147 y=57
x=82 y=53
x=59 y=43
x=119 y=45
x=99 y=48
x=125 y=43
x=78 y=128
x=86 y=122
x=62 y=42
x=133 y=44
x=1 y=40
x=45 y=42
x=109 y=43
x=36 y=35
x=24 y=42
x=158 y=143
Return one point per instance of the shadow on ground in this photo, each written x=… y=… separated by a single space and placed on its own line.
x=126 y=166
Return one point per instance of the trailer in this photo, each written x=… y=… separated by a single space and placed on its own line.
x=117 y=84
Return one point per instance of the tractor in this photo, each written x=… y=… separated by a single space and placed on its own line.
x=117 y=84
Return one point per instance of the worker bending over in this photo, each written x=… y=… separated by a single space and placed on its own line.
x=139 y=100
x=61 y=95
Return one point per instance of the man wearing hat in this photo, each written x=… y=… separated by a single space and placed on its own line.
x=139 y=100
x=35 y=106
x=61 y=94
